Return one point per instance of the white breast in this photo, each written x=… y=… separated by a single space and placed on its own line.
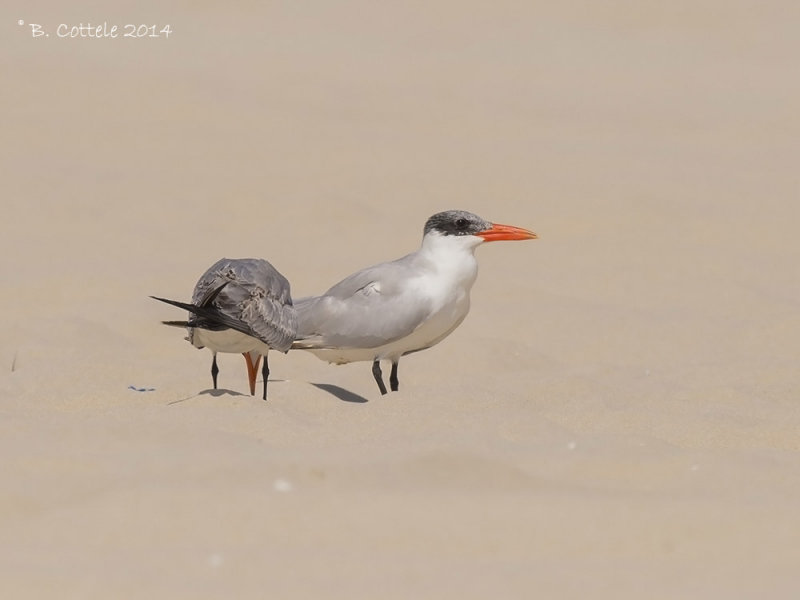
x=227 y=340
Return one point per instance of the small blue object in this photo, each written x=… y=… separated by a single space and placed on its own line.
x=135 y=389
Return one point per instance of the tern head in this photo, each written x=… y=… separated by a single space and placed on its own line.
x=460 y=223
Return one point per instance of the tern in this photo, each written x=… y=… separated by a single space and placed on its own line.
x=395 y=308
x=240 y=305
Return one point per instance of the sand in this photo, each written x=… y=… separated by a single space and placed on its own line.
x=617 y=417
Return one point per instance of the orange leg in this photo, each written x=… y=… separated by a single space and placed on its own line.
x=252 y=371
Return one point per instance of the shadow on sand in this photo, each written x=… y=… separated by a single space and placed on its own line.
x=210 y=392
x=341 y=393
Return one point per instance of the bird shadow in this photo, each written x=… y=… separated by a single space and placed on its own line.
x=220 y=392
x=341 y=393
x=210 y=392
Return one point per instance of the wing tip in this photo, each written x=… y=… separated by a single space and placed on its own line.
x=176 y=323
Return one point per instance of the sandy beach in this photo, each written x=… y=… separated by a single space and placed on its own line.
x=618 y=416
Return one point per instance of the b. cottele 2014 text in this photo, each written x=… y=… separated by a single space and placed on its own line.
x=104 y=30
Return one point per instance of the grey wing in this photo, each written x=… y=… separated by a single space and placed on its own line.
x=256 y=294
x=366 y=310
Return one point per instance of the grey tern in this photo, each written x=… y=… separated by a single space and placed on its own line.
x=240 y=306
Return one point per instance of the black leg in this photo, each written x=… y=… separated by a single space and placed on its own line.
x=376 y=372
x=393 y=382
x=214 y=370
x=265 y=375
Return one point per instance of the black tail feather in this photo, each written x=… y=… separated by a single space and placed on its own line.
x=190 y=307
x=176 y=323
x=208 y=315
x=210 y=297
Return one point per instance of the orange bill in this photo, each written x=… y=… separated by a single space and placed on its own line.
x=500 y=232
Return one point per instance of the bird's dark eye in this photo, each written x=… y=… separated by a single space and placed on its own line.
x=462 y=223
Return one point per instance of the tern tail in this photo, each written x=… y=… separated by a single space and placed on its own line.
x=176 y=323
x=207 y=315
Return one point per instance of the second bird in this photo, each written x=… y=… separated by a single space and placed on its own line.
x=241 y=305
x=395 y=308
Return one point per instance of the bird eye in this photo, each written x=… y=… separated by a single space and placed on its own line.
x=461 y=223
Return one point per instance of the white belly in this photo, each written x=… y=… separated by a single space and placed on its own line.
x=432 y=331
x=227 y=340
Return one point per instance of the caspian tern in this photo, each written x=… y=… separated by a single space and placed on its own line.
x=395 y=308
x=240 y=305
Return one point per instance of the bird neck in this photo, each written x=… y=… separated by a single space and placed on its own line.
x=451 y=256
x=437 y=243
